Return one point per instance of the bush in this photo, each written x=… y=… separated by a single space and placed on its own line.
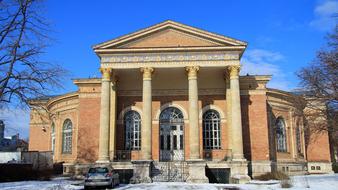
x=286 y=183
x=335 y=167
x=273 y=175
x=20 y=172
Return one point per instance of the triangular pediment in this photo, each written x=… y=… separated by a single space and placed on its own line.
x=170 y=38
x=169 y=34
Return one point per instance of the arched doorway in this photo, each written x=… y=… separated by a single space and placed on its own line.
x=171 y=135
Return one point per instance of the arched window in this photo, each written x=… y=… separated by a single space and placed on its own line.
x=298 y=141
x=53 y=137
x=281 y=135
x=67 y=132
x=211 y=130
x=171 y=115
x=132 y=124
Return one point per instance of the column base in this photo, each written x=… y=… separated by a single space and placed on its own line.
x=142 y=171
x=197 y=171
x=239 y=171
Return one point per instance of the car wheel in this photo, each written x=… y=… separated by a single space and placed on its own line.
x=86 y=187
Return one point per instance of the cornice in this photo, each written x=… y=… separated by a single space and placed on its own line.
x=64 y=97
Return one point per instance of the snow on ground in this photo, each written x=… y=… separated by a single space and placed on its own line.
x=311 y=182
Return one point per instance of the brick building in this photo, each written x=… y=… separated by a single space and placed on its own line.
x=171 y=96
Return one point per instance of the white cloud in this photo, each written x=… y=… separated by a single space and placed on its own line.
x=264 y=62
x=16 y=121
x=324 y=13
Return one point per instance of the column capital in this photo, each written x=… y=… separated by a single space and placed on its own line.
x=192 y=71
x=233 y=70
x=106 y=73
x=147 y=71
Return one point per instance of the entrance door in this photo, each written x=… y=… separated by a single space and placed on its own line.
x=171 y=135
x=171 y=142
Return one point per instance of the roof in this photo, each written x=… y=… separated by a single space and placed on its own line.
x=169 y=34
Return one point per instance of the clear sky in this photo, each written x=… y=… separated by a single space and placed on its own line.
x=283 y=35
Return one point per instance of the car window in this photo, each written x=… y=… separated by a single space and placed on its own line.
x=92 y=170
x=102 y=170
x=98 y=170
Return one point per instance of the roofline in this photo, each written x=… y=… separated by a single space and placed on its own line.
x=87 y=80
x=273 y=90
x=173 y=23
x=170 y=49
x=256 y=77
x=67 y=95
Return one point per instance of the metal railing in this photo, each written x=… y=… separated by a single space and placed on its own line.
x=217 y=154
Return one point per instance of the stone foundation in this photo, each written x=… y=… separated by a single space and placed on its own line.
x=257 y=168
x=319 y=167
x=68 y=168
x=239 y=172
x=292 y=168
x=142 y=172
x=197 y=172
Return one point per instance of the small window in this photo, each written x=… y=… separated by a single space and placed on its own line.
x=317 y=167
x=67 y=136
x=281 y=135
x=313 y=167
x=53 y=137
x=298 y=140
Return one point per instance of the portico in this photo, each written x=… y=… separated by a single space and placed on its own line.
x=145 y=65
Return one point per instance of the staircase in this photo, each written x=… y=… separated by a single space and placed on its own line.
x=176 y=171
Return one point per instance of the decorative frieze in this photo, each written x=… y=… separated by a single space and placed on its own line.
x=168 y=57
x=212 y=59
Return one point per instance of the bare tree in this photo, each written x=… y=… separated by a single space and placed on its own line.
x=319 y=82
x=23 y=39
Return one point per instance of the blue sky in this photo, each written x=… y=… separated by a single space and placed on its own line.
x=283 y=35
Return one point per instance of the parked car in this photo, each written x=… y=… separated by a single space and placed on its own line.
x=101 y=177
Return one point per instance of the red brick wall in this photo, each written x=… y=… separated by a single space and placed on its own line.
x=89 y=129
x=39 y=140
x=318 y=148
x=255 y=127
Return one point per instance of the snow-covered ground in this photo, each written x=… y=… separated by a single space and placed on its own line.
x=312 y=182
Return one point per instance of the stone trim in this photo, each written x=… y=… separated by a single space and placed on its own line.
x=214 y=107
x=125 y=110
x=168 y=105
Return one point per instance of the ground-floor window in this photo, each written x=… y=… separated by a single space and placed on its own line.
x=67 y=134
x=211 y=130
x=281 y=135
x=132 y=124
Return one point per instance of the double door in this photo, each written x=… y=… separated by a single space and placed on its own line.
x=171 y=142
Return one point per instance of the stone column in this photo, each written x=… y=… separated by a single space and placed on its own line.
x=291 y=146
x=194 y=137
x=147 y=114
x=112 y=140
x=228 y=101
x=195 y=163
x=236 y=120
x=104 y=116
